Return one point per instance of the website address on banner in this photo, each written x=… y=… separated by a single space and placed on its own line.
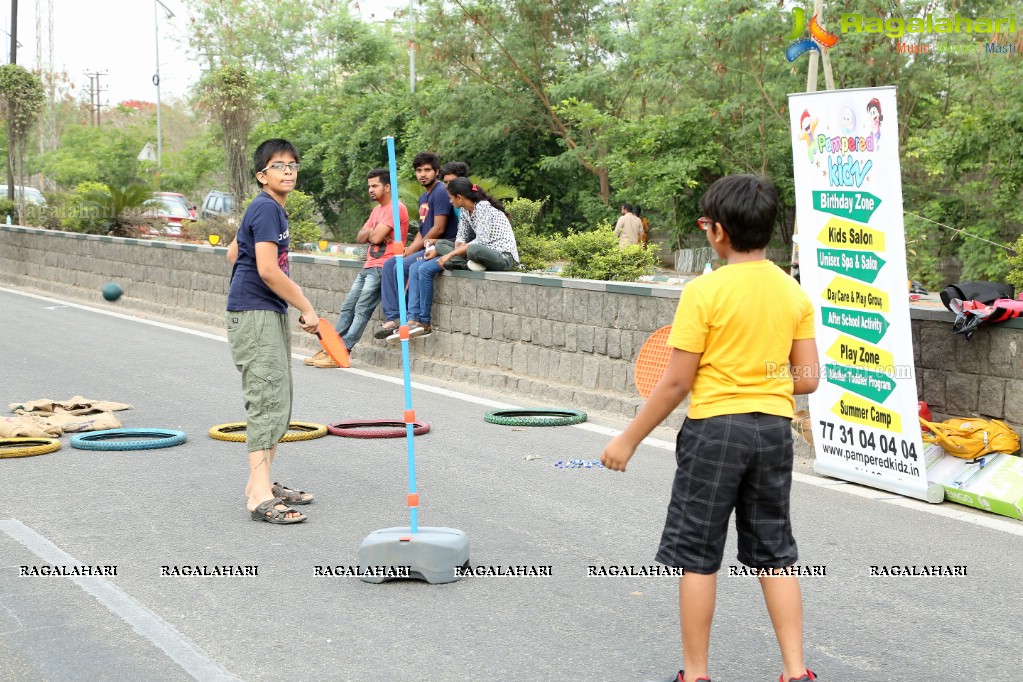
x=871 y=460
x=773 y=370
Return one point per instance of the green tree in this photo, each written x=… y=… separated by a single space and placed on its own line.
x=108 y=155
x=594 y=102
x=228 y=95
x=21 y=101
x=517 y=60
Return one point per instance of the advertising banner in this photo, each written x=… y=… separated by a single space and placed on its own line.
x=852 y=263
x=993 y=482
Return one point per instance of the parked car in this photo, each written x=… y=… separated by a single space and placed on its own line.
x=217 y=203
x=31 y=194
x=174 y=212
x=181 y=198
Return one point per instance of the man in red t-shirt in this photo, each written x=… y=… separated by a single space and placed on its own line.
x=363 y=297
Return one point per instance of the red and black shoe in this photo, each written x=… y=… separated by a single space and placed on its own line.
x=680 y=677
x=808 y=677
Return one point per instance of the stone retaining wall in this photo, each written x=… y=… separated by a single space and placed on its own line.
x=570 y=343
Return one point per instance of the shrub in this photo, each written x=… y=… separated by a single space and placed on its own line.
x=922 y=255
x=1015 y=276
x=524 y=212
x=302 y=217
x=536 y=251
x=224 y=225
x=595 y=255
x=48 y=216
x=9 y=208
x=121 y=208
x=75 y=213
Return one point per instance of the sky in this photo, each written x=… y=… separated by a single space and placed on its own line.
x=119 y=37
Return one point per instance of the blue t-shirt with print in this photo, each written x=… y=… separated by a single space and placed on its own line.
x=264 y=221
x=434 y=203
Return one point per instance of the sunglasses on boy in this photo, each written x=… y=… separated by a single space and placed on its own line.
x=279 y=166
x=704 y=223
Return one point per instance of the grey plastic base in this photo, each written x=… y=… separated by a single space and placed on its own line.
x=431 y=554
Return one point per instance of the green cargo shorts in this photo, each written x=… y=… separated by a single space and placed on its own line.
x=261 y=349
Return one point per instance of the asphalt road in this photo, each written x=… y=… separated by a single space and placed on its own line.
x=141 y=510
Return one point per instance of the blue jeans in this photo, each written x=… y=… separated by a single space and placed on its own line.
x=420 y=289
x=389 y=284
x=359 y=304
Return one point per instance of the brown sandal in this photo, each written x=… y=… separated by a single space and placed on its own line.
x=291 y=496
x=270 y=512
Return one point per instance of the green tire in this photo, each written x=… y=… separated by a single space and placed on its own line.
x=536 y=417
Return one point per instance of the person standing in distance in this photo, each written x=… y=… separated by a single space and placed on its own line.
x=629 y=228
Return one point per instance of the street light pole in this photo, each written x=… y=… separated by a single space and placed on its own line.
x=14 y=31
x=412 y=46
x=156 y=79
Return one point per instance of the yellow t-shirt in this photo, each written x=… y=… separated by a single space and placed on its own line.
x=743 y=318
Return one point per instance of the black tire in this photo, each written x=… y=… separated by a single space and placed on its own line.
x=536 y=417
x=128 y=439
x=376 y=428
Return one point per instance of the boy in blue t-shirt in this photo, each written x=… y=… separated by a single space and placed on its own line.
x=257 y=327
x=733 y=328
x=437 y=220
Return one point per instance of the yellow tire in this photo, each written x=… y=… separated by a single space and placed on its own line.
x=27 y=447
x=235 y=431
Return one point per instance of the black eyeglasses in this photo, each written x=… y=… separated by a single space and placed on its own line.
x=279 y=166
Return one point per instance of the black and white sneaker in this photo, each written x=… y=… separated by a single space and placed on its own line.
x=385 y=330
x=418 y=331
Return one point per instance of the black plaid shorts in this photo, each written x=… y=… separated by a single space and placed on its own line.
x=735 y=461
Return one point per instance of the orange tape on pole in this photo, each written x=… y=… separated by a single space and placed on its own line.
x=413 y=500
x=410 y=416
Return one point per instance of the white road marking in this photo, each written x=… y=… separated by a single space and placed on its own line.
x=120 y=316
x=957 y=513
x=162 y=634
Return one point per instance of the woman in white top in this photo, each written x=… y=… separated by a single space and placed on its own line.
x=485 y=234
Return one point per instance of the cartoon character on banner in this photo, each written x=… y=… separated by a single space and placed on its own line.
x=807 y=126
x=847 y=121
x=874 y=110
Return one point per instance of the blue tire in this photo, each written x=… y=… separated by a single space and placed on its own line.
x=128 y=439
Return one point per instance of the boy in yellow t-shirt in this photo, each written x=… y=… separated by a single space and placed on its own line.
x=742 y=346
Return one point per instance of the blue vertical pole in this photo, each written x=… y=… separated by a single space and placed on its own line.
x=399 y=270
